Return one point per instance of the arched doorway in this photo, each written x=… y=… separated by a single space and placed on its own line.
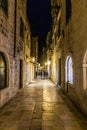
x=3 y=70
x=85 y=71
x=69 y=70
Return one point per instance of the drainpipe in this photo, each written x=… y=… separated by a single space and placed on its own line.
x=15 y=17
x=67 y=87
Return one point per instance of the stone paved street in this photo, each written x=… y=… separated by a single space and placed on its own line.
x=41 y=106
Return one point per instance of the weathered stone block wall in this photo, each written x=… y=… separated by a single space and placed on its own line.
x=75 y=45
x=79 y=20
x=7 y=48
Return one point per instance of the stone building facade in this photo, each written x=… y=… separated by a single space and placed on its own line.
x=12 y=48
x=34 y=47
x=34 y=54
x=28 y=64
x=68 y=48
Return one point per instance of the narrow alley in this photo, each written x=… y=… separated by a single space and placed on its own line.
x=41 y=106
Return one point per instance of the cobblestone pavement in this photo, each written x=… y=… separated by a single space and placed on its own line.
x=41 y=106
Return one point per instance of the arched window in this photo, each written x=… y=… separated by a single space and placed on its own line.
x=3 y=70
x=4 y=6
x=85 y=71
x=68 y=10
x=69 y=70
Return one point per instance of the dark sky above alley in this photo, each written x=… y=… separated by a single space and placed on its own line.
x=39 y=14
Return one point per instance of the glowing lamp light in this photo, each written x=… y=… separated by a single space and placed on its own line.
x=45 y=63
x=27 y=60
x=39 y=64
x=49 y=62
x=33 y=59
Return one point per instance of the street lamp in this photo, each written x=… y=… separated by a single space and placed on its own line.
x=33 y=59
x=48 y=62
x=45 y=63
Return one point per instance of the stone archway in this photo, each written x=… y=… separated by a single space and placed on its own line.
x=3 y=71
x=69 y=70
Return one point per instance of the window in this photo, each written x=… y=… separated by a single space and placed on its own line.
x=3 y=72
x=21 y=28
x=69 y=70
x=85 y=71
x=4 y=6
x=68 y=10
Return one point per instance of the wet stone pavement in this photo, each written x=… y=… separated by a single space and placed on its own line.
x=41 y=106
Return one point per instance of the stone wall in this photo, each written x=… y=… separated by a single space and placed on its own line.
x=8 y=37
x=75 y=45
x=71 y=43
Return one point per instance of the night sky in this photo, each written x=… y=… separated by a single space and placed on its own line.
x=39 y=15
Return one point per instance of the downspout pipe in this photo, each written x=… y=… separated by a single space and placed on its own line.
x=15 y=26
